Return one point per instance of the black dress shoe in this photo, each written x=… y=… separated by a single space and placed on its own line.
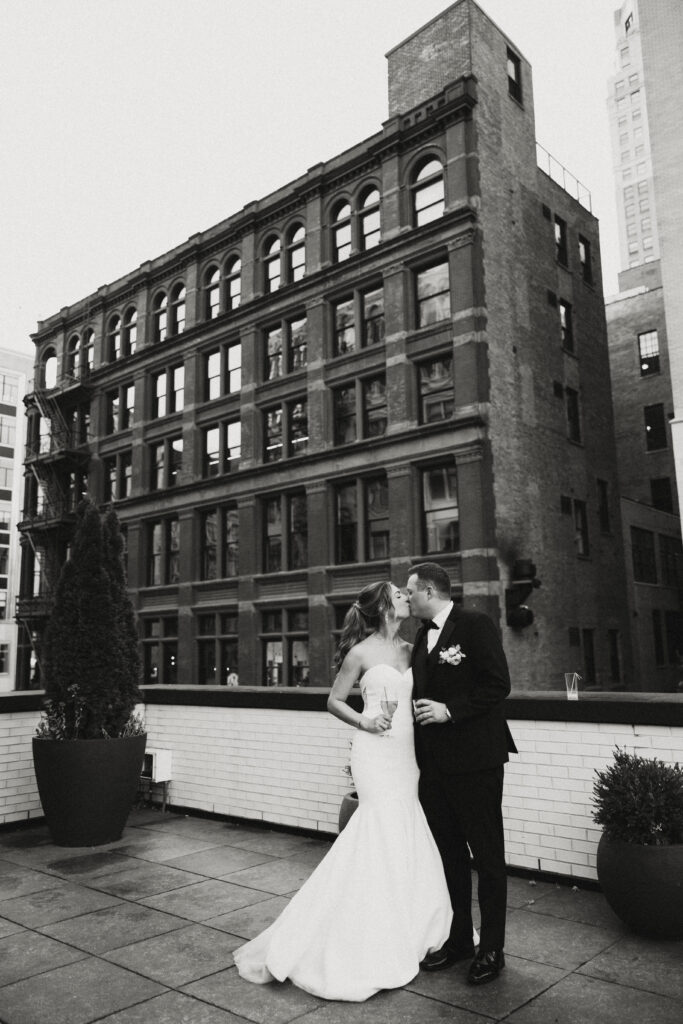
x=445 y=957
x=486 y=966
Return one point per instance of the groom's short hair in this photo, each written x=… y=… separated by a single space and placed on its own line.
x=431 y=574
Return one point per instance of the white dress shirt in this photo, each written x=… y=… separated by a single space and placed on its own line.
x=440 y=619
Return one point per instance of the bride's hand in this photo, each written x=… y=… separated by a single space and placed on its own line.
x=379 y=724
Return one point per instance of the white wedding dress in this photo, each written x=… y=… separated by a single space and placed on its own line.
x=378 y=901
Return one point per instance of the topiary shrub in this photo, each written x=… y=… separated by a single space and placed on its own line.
x=639 y=800
x=90 y=655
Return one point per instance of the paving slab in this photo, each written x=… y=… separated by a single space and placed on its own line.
x=54 y=904
x=180 y=956
x=278 y=877
x=17 y=881
x=395 y=1007
x=141 y=878
x=174 y=1008
x=219 y=831
x=76 y=994
x=277 y=844
x=577 y=1000
x=88 y=865
x=219 y=860
x=554 y=941
x=28 y=953
x=649 y=964
x=205 y=899
x=522 y=891
x=264 y=1004
x=249 y=921
x=574 y=904
x=159 y=846
x=116 y=926
x=8 y=927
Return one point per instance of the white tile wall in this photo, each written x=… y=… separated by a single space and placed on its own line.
x=286 y=768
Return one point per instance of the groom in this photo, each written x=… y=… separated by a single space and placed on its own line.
x=462 y=742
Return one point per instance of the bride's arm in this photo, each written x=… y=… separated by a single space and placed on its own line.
x=348 y=674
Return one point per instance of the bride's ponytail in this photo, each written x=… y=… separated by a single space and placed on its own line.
x=363 y=618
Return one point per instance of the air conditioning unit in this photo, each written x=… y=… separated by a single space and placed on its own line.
x=156 y=765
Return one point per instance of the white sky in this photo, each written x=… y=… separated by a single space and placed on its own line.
x=128 y=125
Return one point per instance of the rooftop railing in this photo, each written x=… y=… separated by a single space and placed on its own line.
x=561 y=176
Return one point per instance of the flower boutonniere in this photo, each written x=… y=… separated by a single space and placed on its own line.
x=451 y=655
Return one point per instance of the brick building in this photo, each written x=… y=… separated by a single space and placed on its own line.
x=402 y=354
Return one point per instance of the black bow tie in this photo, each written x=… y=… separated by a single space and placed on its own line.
x=429 y=624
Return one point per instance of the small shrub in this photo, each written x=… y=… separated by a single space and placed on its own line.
x=639 y=800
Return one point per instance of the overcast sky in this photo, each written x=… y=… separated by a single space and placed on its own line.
x=129 y=125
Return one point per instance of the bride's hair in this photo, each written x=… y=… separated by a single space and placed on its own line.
x=364 y=617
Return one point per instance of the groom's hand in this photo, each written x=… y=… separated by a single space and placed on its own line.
x=430 y=712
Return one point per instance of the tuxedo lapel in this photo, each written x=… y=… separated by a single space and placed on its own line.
x=442 y=641
x=419 y=662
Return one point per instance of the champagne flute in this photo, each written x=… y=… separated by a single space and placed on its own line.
x=388 y=705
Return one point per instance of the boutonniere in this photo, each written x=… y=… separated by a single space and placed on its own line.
x=451 y=655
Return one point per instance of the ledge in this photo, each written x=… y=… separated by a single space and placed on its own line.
x=663 y=709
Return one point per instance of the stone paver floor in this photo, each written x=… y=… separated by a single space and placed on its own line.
x=142 y=932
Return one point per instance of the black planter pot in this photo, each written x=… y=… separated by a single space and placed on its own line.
x=644 y=886
x=87 y=787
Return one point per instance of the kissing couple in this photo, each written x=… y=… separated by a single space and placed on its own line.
x=394 y=894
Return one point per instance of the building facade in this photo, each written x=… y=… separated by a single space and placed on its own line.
x=400 y=355
x=15 y=374
x=640 y=338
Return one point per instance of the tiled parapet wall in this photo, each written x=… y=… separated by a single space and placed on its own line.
x=277 y=757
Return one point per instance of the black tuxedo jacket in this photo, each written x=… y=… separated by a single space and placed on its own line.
x=474 y=690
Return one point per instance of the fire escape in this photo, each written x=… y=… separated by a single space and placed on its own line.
x=56 y=464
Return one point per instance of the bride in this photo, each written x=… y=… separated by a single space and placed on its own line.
x=378 y=902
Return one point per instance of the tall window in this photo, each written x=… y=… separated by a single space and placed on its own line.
x=222 y=448
x=296 y=253
x=373 y=317
x=345 y=414
x=573 y=412
x=130 y=331
x=344 y=327
x=178 y=309
x=364 y=307
x=514 y=69
x=233 y=283
x=362 y=520
x=114 y=338
x=561 y=250
x=272 y=264
x=160 y=650
x=341 y=232
x=212 y=293
x=648 y=353
x=581 y=528
x=585 y=260
x=643 y=554
x=670 y=559
x=219 y=532
x=374 y=406
x=223 y=371
x=160 y=317
x=662 y=494
x=284 y=640
x=285 y=348
x=655 y=428
x=119 y=409
x=168 y=391
x=285 y=430
x=566 y=325
x=163 y=551
x=370 y=234
x=88 y=351
x=285 y=533
x=73 y=356
x=428 y=193
x=441 y=524
x=361 y=401
x=433 y=294
x=603 y=506
x=166 y=463
x=218 y=649
x=437 y=392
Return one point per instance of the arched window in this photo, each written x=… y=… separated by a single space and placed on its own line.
x=233 y=283
x=212 y=293
x=428 y=193
x=114 y=338
x=178 y=308
x=49 y=369
x=369 y=220
x=341 y=233
x=272 y=262
x=73 y=356
x=160 y=308
x=296 y=253
x=130 y=331
x=87 y=352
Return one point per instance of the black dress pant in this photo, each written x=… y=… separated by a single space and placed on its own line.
x=464 y=813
